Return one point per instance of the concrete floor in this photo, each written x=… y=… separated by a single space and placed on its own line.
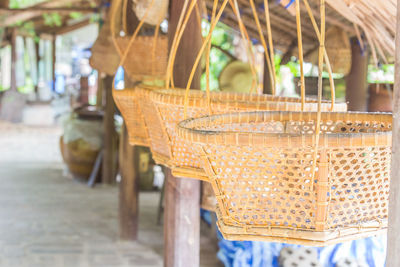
x=48 y=219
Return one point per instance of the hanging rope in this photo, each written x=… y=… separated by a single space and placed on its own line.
x=172 y=49
x=214 y=11
x=320 y=70
x=328 y=64
x=271 y=44
x=300 y=47
x=245 y=36
x=264 y=44
x=197 y=60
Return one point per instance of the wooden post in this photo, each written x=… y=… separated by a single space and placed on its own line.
x=356 y=81
x=267 y=79
x=13 y=60
x=393 y=241
x=182 y=196
x=109 y=168
x=128 y=188
x=53 y=61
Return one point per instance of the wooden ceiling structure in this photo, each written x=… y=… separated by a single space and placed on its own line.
x=371 y=22
x=15 y=18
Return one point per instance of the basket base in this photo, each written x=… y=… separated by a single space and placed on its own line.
x=295 y=236
x=161 y=159
x=139 y=142
x=189 y=172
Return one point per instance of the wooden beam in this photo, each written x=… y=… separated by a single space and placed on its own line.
x=29 y=15
x=393 y=236
x=109 y=146
x=62 y=9
x=72 y=27
x=356 y=80
x=182 y=196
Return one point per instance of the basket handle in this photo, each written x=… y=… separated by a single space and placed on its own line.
x=327 y=62
x=268 y=57
x=197 y=60
x=124 y=54
x=320 y=69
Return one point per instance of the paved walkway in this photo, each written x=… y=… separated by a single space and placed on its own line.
x=49 y=220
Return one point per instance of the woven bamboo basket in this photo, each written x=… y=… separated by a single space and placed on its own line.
x=169 y=106
x=128 y=103
x=142 y=65
x=260 y=165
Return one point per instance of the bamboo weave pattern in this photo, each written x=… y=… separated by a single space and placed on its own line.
x=260 y=166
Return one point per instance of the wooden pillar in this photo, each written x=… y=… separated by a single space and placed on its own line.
x=128 y=188
x=53 y=61
x=393 y=241
x=182 y=196
x=267 y=89
x=109 y=146
x=13 y=60
x=356 y=80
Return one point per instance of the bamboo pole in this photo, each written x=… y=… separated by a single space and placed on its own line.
x=393 y=241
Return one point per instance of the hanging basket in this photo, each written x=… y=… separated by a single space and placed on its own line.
x=169 y=106
x=142 y=65
x=104 y=56
x=260 y=166
x=127 y=102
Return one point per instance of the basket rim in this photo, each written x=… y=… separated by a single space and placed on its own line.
x=176 y=96
x=186 y=130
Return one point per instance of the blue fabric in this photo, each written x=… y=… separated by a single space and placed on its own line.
x=370 y=251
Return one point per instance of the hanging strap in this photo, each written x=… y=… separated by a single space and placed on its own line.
x=245 y=37
x=124 y=54
x=320 y=69
x=301 y=60
x=197 y=60
x=264 y=44
x=328 y=64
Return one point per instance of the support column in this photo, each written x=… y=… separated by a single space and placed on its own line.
x=109 y=157
x=13 y=60
x=129 y=186
x=267 y=79
x=182 y=196
x=53 y=61
x=393 y=241
x=128 y=189
x=356 y=80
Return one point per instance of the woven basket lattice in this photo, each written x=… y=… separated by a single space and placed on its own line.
x=142 y=65
x=260 y=166
x=128 y=103
x=169 y=106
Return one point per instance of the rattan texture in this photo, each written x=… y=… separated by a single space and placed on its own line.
x=142 y=65
x=127 y=102
x=169 y=105
x=155 y=130
x=260 y=165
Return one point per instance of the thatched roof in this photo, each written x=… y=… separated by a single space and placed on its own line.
x=374 y=19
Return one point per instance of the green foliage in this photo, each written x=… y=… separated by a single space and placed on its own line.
x=23 y=3
x=218 y=59
x=75 y=15
x=383 y=74
x=52 y=19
